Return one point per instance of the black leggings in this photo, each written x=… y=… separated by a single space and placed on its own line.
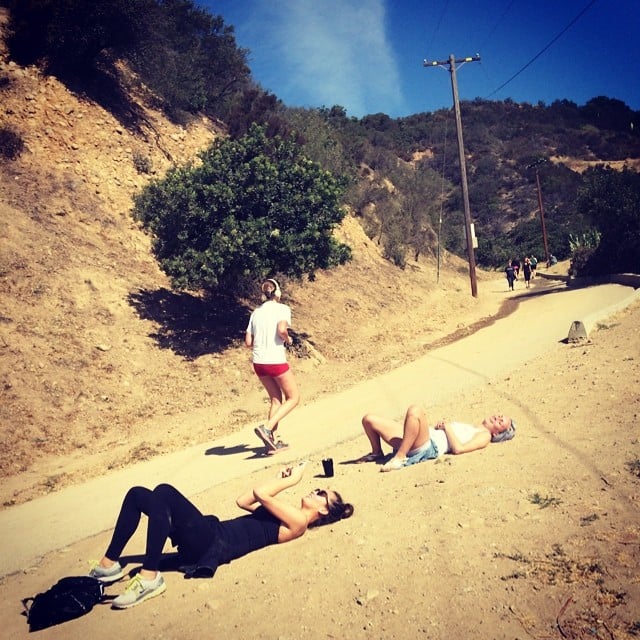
x=169 y=513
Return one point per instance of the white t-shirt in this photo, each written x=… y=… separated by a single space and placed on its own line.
x=464 y=432
x=268 y=347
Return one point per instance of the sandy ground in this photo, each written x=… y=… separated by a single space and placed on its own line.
x=538 y=537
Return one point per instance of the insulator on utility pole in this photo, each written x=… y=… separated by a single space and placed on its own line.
x=470 y=236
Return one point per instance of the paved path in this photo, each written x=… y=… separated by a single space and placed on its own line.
x=54 y=521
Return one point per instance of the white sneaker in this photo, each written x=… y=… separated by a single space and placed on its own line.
x=106 y=574
x=138 y=590
x=395 y=464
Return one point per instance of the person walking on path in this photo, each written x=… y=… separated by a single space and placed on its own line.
x=534 y=266
x=203 y=541
x=510 y=272
x=526 y=272
x=414 y=441
x=267 y=335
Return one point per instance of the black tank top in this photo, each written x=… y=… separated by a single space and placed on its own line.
x=245 y=534
x=214 y=542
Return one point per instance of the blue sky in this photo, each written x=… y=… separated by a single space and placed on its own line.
x=367 y=55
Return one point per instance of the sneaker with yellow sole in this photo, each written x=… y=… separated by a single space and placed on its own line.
x=138 y=590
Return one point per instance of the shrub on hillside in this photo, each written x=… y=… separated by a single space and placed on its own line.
x=11 y=143
x=612 y=200
x=579 y=259
x=251 y=207
x=141 y=162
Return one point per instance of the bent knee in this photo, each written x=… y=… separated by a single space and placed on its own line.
x=415 y=411
x=164 y=489
x=368 y=419
x=293 y=398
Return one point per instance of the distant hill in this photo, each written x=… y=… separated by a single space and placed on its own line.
x=502 y=140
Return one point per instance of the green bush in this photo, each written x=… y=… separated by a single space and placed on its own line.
x=142 y=163
x=185 y=55
x=11 y=143
x=612 y=200
x=579 y=259
x=249 y=208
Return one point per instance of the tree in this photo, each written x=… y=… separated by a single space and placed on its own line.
x=252 y=207
x=418 y=191
x=189 y=57
x=319 y=140
x=612 y=200
x=71 y=35
x=186 y=56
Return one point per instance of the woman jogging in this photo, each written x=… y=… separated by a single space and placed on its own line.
x=267 y=335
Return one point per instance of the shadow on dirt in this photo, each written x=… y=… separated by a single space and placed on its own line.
x=189 y=325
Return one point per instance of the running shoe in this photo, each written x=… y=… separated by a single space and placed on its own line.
x=138 y=590
x=395 y=464
x=266 y=436
x=278 y=447
x=106 y=574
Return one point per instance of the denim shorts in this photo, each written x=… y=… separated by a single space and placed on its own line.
x=428 y=451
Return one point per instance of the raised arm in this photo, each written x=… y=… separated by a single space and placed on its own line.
x=294 y=521
x=285 y=479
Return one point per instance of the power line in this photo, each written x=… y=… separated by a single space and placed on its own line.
x=515 y=75
x=437 y=27
x=496 y=25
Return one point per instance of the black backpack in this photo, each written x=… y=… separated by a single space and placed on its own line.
x=69 y=598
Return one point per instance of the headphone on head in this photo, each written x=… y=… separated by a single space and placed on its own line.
x=266 y=289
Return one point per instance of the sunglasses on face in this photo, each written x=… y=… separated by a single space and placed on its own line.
x=323 y=494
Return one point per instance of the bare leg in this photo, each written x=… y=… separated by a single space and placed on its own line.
x=275 y=395
x=380 y=429
x=283 y=395
x=403 y=438
x=415 y=432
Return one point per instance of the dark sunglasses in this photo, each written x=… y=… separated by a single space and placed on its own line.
x=323 y=494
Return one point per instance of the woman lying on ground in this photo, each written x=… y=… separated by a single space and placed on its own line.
x=415 y=441
x=203 y=541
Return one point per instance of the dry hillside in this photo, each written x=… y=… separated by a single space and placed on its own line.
x=97 y=352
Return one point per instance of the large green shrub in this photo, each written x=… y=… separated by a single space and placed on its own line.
x=612 y=200
x=251 y=207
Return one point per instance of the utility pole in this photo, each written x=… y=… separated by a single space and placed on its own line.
x=452 y=62
x=536 y=164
